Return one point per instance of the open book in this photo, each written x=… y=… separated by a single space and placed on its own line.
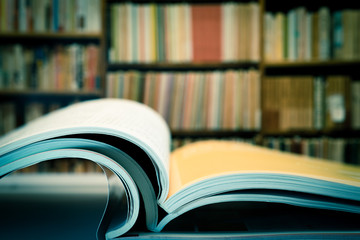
x=131 y=142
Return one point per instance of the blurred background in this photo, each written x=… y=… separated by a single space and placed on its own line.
x=283 y=77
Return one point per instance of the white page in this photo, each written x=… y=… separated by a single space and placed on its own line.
x=124 y=118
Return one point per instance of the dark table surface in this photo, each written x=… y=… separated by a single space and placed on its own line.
x=71 y=208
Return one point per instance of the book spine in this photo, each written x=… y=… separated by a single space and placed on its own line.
x=80 y=15
x=324 y=33
x=309 y=36
x=254 y=41
x=3 y=16
x=300 y=34
x=11 y=15
x=269 y=35
x=338 y=34
x=187 y=32
x=19 y=68
x=22 y=16
x=7 y=117
x=278 y=34
x=55 y=15
x=355 y=91
x=291 y=35
x=319 y=104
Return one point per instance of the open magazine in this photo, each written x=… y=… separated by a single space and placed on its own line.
x=131 y=142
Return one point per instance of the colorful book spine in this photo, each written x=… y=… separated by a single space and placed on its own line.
x=183 y=32
x=195 y=100
x=71 y=67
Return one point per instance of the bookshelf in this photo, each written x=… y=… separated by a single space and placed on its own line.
x=311 y=64
x=51 y=55
x=164 y=66
x=224 y=53
x=310 y=46
x=172 y=57
x=48 y=36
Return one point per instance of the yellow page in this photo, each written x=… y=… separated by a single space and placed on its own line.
x=206 y=159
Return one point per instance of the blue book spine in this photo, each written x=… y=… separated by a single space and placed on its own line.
x=55 y=15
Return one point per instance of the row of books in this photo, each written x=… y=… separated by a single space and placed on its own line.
x=195 y=100
x=8 y=119
x=50 y=16
x=300 y=34
x=308 y=102
x=333 y=149
x=184 y=32
x=63 y=67
x=9 y=113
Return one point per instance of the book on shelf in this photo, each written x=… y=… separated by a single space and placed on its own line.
x=301 y=34
x=324 y=33
x=183 y=32
x=355 y=104
x=71 y=67
x=309 y=102
x=58 y=16
x=227 y=99
x=7 y=117
x=338 y=101
x=131 y=142
x=206 y=25
x=319 y=102
x=336 y=149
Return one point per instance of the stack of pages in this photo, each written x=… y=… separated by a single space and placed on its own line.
x=131 y=142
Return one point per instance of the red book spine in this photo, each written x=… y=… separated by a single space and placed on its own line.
x=206 y=32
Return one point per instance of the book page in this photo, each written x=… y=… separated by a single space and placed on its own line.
x=127 y=119
x=206 y=159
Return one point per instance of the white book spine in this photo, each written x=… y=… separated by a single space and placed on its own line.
x=226 y=25
x=255 y=29
x=188 y=32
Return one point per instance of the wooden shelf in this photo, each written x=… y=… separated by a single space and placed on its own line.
x=165 y=1
x=331 y=67
x=312 y=133
x=182 y=66
x=312 y=64
x=4 y=36
x=213 y=133
x=16 y=94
